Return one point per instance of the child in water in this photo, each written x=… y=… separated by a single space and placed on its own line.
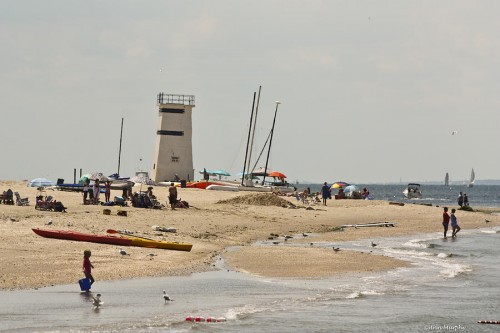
x=454 y=224
x=87 y=266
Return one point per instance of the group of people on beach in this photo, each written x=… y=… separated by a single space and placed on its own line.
x=454 y=223
x=93 y=198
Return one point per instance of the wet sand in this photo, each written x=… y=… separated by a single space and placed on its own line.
x=30 y=261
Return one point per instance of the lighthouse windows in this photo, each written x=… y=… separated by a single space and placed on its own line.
x=175 y=159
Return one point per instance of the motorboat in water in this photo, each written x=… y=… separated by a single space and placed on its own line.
x=412 y=191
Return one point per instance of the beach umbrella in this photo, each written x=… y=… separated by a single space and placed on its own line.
x=220 y=172
x=40 y=182
x=98 y=175
x=276 y=174
x=84 y=178
x=351 y=188
x=143 y=180
x=339 y=185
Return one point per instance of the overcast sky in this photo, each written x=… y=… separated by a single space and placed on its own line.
x=371 y=91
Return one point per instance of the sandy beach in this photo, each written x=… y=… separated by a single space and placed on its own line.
x=215 y=229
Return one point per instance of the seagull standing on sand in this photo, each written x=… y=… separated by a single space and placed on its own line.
x=336 y=249
x=373 y=244
x=96 y=301
x=166 y=297
x=123 y=253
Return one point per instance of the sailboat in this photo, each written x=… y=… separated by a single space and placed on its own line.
x=472 y=177
x=447 y=180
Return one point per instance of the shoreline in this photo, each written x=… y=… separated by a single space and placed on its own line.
x=30 y=261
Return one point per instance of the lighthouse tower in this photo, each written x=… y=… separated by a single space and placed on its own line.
x=173 y=151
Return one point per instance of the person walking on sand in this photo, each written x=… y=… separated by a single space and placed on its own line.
x=172 y=195
x=87 y=266
x=446 y=221
x=325 y=193
x=454 y=224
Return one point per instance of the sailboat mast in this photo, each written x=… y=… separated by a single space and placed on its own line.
x=243 y=176
x=270 y=141
x=120 y=149
x=253 y=131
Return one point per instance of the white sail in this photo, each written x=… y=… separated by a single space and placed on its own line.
x=472 y=178
x=447 y=179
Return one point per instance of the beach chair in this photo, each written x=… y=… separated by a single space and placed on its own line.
x=21 y=201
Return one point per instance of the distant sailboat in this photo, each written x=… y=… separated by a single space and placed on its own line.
x=472 y=177
x=447 y=180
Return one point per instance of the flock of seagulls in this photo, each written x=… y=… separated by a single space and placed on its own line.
x=97 y=302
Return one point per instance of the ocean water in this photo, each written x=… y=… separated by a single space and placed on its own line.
x=479 y=195
x=449 y=286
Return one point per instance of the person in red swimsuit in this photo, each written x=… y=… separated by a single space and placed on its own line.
x=87 y=266
x=446 y=221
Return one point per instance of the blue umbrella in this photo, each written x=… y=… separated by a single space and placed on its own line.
x=40 y=182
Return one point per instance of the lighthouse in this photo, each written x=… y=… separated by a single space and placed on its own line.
x=173 y=153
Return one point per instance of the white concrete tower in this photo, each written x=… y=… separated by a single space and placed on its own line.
x=173 y=151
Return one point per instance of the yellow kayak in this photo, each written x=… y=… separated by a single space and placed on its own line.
x=142 y=242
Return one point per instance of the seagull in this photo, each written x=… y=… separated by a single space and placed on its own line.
x=96 y=301
x=487 y=221
x=373 y=244
x=49 y=223
x=454 y=132
x=276 y=243
x=166 y=297
x=336 y=249
x=123 y=253
x=304 y=234
x=151 y=255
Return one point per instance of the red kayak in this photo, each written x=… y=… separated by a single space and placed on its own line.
x=81 y=237
x=127 y=240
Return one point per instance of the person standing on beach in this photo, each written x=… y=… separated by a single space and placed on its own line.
x=85 y=191
x=446 y=221
x=172 y=195
x=107 y=192
x=87 y=266
x=454 y=224
x=466 y=200
x=325 y=193
x=460 y=199
x=96 y=191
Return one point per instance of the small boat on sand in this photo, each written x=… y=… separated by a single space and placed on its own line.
x=106 y=239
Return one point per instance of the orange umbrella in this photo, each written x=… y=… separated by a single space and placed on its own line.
x=276 y=174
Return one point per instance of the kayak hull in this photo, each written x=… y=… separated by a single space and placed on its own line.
x=105 y=239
